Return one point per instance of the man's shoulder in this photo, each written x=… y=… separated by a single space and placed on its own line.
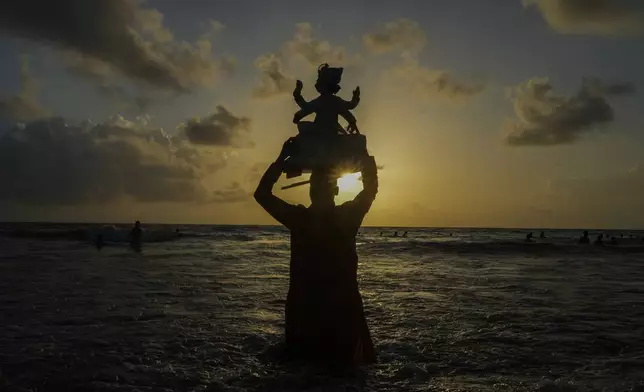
x=346 y=205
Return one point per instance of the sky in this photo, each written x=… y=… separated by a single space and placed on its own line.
x=503 y=113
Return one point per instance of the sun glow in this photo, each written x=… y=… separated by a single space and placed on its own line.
x=349 y=182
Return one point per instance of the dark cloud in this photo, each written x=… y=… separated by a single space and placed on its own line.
x=121 y=37
x=433 y=83
x=222 y=128
x=25 y=105
x=547 y=119
x=600 y=17
x=108 y=83
x=49 y=162
x=402 y=35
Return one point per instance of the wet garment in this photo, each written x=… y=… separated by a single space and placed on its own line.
x=324 y=313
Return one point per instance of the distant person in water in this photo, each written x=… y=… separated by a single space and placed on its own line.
x=528 y=237
x=325 y=319
x=584 y=238
x=613 y=241
x=542 y=235
x=404 y=234
x=599 y=240
x=136 y=235
x=395 y=234
x=327 y=106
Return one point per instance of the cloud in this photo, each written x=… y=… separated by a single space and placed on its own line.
x=25 y=105
x=597 y=17
x=233 y=193
x=51 y=162
x=403 y=35
x=121 y=38
x=221 y=128
x=109 y=84
x=547 y=119
x=433 y=83
x=316 y=51
x=273 y=80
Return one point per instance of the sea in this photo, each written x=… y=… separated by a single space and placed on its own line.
x=448 y=310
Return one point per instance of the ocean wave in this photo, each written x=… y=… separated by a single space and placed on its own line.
x=495 y=247
x=112 y=233
x=421 y=242
x=45 y=234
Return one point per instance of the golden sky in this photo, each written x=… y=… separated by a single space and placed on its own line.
x=487 y=114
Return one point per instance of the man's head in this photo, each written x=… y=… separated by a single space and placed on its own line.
x=323 y=189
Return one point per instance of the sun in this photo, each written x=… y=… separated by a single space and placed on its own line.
x=349 y=182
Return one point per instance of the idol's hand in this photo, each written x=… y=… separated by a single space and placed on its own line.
x=353 y=128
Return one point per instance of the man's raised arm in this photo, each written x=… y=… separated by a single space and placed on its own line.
x=365 y=198
x=276 y=207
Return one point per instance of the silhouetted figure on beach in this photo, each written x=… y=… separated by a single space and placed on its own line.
x=599 y=240
x=136 y=236
x=327 y=106
x=324 y=315
x=542 y=235
x=528 y=237
x=584 y=238
x=404 y=234
x=395 y=234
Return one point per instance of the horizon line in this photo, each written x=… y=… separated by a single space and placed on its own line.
x=536 y=228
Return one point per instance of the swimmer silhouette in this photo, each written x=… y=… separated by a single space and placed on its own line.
x=584 y=239
x=327 y=106
x=135 y=236
x=404 y=234
x=599 y=240
x=528 y=237
x=542 y=235
x=325 y=319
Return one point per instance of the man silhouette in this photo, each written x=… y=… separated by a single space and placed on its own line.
x=324 y=315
